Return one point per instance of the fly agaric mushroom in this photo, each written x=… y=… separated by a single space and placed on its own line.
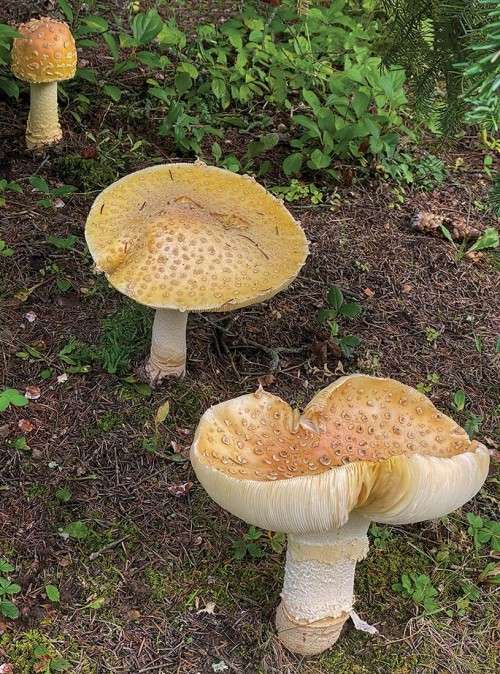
x=364 y=449
x=45 y=55
x=192 y=237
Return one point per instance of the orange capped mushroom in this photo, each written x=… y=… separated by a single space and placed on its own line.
x=43 y=56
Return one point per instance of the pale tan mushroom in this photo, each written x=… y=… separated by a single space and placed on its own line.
x=192 y=237
x=44 y=56
x=364 y=449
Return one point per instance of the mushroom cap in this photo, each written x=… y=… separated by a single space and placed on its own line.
x=46 y=53
x=363 y=444
x=195 y=238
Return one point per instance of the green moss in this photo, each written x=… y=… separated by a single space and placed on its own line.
x=27 y=650
x=86 y=174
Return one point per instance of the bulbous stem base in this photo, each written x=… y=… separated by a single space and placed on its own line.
x=306 y=638
x=168 y=345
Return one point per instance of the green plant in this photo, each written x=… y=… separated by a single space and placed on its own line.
x=11 y=396
x=430 y=380
x=52 y=195
x=418 y=588
x=7 y=589
x=337 y=309
x=431 y=335
x=380 y=536
x=297 y=191
x=8 y=185
x=488 y=240
x=473 y=424
x=484 y=531
x=7 y=82
x=5 y=251
x=459 y=400
x=253 y=543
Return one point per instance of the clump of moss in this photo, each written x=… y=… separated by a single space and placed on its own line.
x=86 y=174
x=29 y=651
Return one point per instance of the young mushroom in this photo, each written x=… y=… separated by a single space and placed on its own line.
x=364 y=449
x=44 y=56
x=192 y=237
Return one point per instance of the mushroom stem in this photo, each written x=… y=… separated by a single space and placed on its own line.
x=318 y=590
x=168 y=345
x=43 y=120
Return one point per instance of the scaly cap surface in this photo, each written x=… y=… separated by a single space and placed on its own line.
x=194 y=237
x=363 y=443
x=46 y=53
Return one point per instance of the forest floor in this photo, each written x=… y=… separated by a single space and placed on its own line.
x=97 y=502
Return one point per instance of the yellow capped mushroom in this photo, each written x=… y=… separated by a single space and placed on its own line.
x=192 y=237
x=43 y=56
x=364 y=449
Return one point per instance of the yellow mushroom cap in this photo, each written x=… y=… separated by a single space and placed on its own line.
x=194 y=237
x=45 y=53
x=363 y=443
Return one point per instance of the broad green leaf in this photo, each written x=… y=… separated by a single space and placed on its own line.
x=350 y=310
x=114 y=92
x=8 y=609
x=489 y=239
x=111 y=45
x=52 y=593
x=183 y=82
x=39 y=184
x=78 y=530
x=335 y=298
x=162 y=413
x=9 y=86
x=95 y=24
x=293 y=163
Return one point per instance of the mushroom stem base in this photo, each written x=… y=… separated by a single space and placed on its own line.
x=168 y=345
x=306 y=638
x=43 y=120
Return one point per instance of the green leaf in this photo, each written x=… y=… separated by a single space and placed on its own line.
x=183 y=82
x=8 y=609
x=63 y=243
x=63 y=494
x=293 y=163
x=446 y=233
x=162 y=413
x=95 y=24
x=351 y=310
x=319 y=159
x=145 y=27
x=39 y=184
x=77 y=530
x=5 y=566
x=219 y=88
x=489 y=239
x=111 y=45
x=459 y=400
x=59 y=665
x=11 y=396
x=52 y=593
x=115 y=93
x=66 y=9
x=335 y=298
x=9 y=86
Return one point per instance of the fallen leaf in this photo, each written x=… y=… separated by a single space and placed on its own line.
x=62 y=378
x=266 y=380
x=4 y=430
x=25 y=425
x=30 y=316
x=133 y=614
x=162 y=413
x=368 y=292
x=209 y=608
x=33 y=392
x=59 y=203
x=179 y=490
x=407 y=288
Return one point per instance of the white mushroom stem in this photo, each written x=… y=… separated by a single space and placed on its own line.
x=168 y=345
x=318 y=590
x=43 y=120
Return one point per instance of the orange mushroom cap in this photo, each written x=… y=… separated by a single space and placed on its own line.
x=45 y=53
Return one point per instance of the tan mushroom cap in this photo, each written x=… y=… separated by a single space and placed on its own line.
x=194 y=237
x=46 y=53
x=362 y=443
